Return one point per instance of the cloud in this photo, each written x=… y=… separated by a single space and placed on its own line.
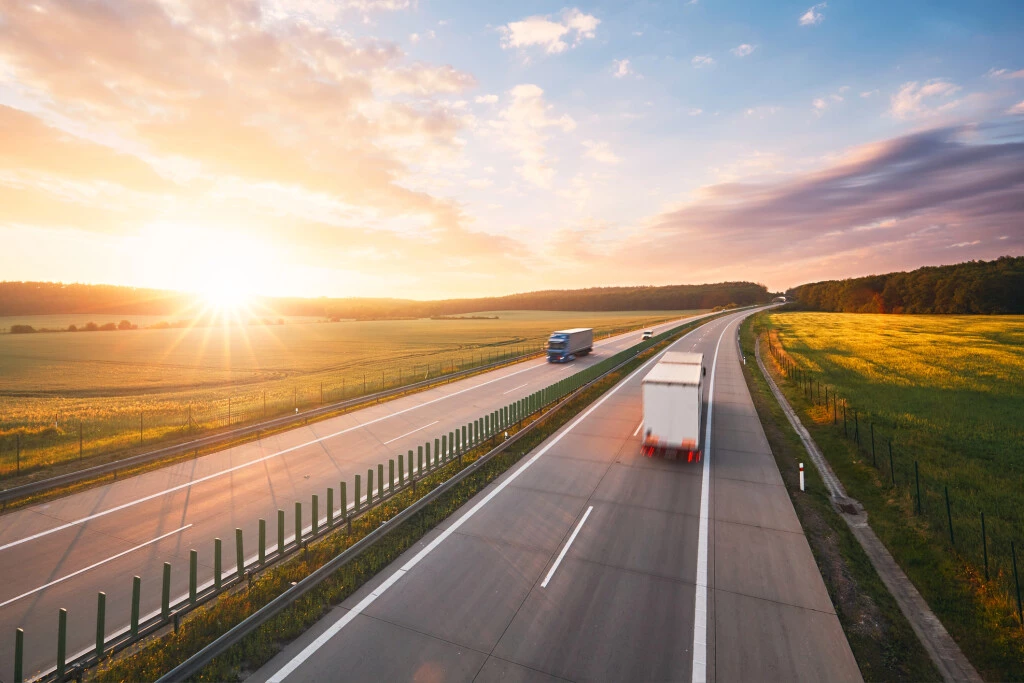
x=702 y=60
x=1005 y=74
x=820 y=104
x=695 y=111
x=621 y=68
x=885 y=206
x=743 y=50
x=762 y=111
x=813 y=15
x=1017 y=108
x=922 y=100
x=600 y=152
x=523 y=127
x=960 y=245
x=548 y=33
x=869 y=93
x=486 y=99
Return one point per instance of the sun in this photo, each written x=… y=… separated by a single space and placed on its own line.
x=226 y=299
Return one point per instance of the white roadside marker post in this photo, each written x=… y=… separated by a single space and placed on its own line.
x=801 y=476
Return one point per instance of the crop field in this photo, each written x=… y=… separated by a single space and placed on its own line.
x=948 y=391
x=71 y=395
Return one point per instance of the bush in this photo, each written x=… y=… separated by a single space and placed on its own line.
x=72 y=328
x=22 y=329
x=107 y=327
x=91 y=327
x=127 y=325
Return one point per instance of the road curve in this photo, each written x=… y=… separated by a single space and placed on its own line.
x=590 y=562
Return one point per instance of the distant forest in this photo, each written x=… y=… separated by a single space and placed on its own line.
x=971 y=287
x=42 y=298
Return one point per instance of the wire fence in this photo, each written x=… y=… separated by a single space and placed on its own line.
x=955 y=518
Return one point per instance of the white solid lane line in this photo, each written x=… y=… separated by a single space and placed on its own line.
x=93 y=566
x=511 y=390
x=699 y=671
x=271 y=456
x=412 y=432
x=638 y=428
x=565 y=548
x=335 y=628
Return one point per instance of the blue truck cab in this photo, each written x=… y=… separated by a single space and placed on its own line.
x=566 y=345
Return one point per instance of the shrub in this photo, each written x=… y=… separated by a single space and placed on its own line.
x=127 y=325
x=22 y=329
x=107 y=327
x=91 y=327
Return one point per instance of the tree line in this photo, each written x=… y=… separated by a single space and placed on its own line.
x=41 y=298
x=972 y=287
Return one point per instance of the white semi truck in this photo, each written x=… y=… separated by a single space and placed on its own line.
x=673 y=400
x=566 y=345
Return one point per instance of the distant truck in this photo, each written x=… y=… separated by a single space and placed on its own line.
x=647 y=335
x=566 y=345
x=673 y=399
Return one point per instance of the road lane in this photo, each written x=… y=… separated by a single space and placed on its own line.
x=215 y=494
x=467 y=603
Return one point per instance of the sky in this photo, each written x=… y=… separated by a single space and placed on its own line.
x=429 y=149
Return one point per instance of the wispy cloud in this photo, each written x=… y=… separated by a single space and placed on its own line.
x=917 y=100
x=1005 y=74
x=622 y=68
x=695 y=111
x=813 y=15
x=486 y=99
x=523 y=127
x=600 y=152
x=1017 y=108
x=702 y=60
x=548 y=33
x=743 y=50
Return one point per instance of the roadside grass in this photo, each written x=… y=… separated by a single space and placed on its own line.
x=949 y=392
x=158 y=655
x=65 y=397
x=883 y=642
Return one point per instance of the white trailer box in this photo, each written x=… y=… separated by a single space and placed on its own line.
x=566 y=345
x=683 y=358
x=672 y=405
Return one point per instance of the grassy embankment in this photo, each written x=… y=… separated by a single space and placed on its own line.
x=181 y=382
x=203 y=625
x=948 y=391
x=882 y=640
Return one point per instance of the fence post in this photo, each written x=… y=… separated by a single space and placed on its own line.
x=437 y=450
x=846 y=434
x=1016 y=581
x=391 y=475
x=949 y=517
x=984 y=544
x=136 y=600
x=62 y=642
x=239 y=555
x=315 y=523
x=436 y=456
x=330 y=507
x=892 y=470
x=280 y=533
x=369 y=487
x=856 y=427
x=357 y=492
x=446 y=454
x=19 y=655
x=216 y=564
x=419 y=454
x=873 y=462
x=835 y=408
x=380 y=480
x=165 y=593
x=262 y=542
x=101 y=622
x=401 y=470
x=193 y=576
x=917 y=486
x=343 y=495
x=298 y=523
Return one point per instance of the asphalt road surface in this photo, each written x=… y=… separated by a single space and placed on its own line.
x=591 y=562
x=60 y=554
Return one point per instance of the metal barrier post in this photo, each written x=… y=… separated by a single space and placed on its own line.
x=19 y=655
x=216 y=564
x=193 y=576
x=262 y=542
x=136 y=599
x=62 y=642
x=280 y=533
x=239 y=555
x=101 y=619
x=298 y=523
x=165 y=593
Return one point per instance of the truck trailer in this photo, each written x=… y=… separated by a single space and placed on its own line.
x=673 y=400
x=565 y=345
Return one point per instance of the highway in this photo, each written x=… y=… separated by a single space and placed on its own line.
x=61 y=553
x=589 y=562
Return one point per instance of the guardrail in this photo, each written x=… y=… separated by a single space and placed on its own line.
x=411 y=467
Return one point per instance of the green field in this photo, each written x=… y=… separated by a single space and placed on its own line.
x=180 y=381
x=948 y=391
